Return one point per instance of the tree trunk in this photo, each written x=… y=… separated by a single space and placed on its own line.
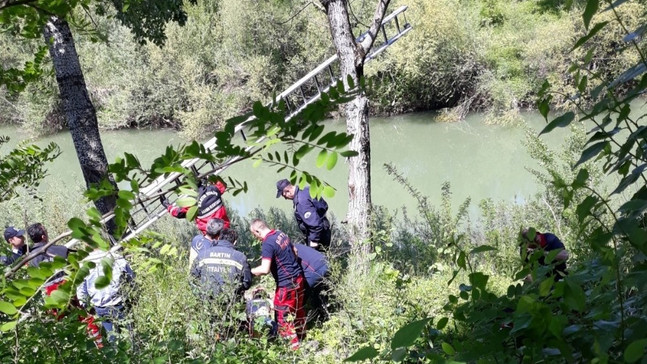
x=79 y=112
x=351 y=57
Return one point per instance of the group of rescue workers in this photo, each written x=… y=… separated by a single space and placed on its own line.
x=217 y=268
x=220 y=271
x=299 y=270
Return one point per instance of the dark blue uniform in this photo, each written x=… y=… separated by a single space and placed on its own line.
x=313 y=263
x=47 y=255
x=315 y=269
x=311 y=216
x=219 y=266
x=550 y=242
x=15 y=255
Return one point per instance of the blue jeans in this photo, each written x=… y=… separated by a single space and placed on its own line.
x=109 y=315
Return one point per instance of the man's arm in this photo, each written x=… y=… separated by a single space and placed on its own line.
x=262 y=269
x=247 y=275
x=311 y=219
x=562 y=255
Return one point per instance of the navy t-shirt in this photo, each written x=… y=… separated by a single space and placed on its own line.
x=285 y=268
x=313 y=263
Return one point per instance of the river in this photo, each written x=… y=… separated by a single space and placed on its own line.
x=478 y=160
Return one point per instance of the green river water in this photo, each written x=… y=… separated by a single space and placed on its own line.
x=478 y=160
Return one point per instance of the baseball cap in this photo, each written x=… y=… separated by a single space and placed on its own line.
x=12 y=232
x=280 y=186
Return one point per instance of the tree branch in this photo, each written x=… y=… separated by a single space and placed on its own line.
x=8 y=3
x=371 y=34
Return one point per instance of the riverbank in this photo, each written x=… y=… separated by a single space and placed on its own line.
x=488 y=55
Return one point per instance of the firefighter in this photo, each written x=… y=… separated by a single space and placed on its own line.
x=547 y=242
x=15 y=238
x=279 y=258
x=209 y=204
x=309 y=212
x=220 y=268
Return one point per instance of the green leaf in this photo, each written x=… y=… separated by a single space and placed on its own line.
x=102 y=282
x=544 y=107
x=635 y=351
x=584 y=208
x=349 y=153
x=591 y=152
x=59 y=297
x=588 y=36
x=367 y=352
x=399 y=354
x=574 y=295
x=191 y=213
x=478 y=280
x=408 y=334
x=332 y=160
x=185 y=201
x=589 y=11
x=442 y=323
x=75 y=223
x=8 y=326
x=7 y=308
x=580 y=180
x=461 y=260
x=560 y=121
x=545 y=286
x=448 y=349
x=328 y=191
x=321 y=158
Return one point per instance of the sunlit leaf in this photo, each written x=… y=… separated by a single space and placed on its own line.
x=365 y=353
x=408 y=334
x=448 y=349
x=321 y=158
x=7 y=308
x=8 y=326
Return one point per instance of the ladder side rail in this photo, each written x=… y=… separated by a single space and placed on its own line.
x=162 y=181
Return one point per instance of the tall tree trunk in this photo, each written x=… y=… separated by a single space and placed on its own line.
x=351 y=57
x=79 y=112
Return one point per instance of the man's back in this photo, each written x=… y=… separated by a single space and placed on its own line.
x=313 y=263
x=285 y=267
x=220 y=267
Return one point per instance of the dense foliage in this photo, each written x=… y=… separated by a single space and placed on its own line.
x=463 y=55
x=439 y=287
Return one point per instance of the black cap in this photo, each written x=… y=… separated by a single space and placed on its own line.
x=280 y=186
x=12 y=232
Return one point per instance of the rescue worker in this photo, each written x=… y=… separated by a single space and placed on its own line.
x=38 y=235
x=16 y=239
x=220 y=268
x=209 y=204
x=108 y=302
x=315 y=271
x=548 y=242
x=309 y=212
x=279 y=258
x=202 y=242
